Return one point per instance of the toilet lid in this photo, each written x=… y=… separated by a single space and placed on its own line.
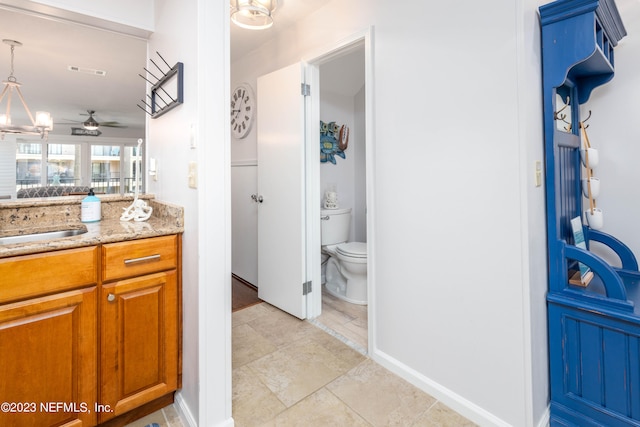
x=353 y=249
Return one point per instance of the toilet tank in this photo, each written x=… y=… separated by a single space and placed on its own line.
x=334 y=226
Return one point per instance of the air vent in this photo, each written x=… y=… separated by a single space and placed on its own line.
x=73 y=68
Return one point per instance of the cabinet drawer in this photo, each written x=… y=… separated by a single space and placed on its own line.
x=138 y=257
x=40 y=274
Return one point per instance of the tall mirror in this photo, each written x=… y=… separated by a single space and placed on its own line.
x=82 y=76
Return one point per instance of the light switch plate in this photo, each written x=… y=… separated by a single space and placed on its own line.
x=538 y=172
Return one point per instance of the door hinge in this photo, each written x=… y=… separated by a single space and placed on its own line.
x=305 y=89
x=306 y=287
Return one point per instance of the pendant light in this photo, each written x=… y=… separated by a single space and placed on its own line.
x=90 y=123
x=41 y=125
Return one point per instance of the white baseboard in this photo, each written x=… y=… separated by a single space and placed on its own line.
x=456 y=402
x=187 y=417
x=546 y=418
x=183 y=410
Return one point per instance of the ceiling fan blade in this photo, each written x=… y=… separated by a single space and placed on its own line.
x=112 y=125
x=92 y=114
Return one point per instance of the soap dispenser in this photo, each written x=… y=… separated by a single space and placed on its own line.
x=90 y=208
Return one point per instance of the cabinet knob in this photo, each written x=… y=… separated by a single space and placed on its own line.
x=111 y=297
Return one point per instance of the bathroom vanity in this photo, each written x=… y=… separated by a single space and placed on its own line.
x=90 y=325
x=594 y=325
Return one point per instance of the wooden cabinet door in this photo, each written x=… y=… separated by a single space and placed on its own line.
x=48 y=354
x=138 y=341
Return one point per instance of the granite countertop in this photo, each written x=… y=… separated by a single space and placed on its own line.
x=63 y=213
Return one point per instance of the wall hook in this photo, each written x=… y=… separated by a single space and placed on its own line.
x=558 y=115
x=585 y=120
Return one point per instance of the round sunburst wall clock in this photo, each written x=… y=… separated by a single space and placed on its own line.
x=243 y=106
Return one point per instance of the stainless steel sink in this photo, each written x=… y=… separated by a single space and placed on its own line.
x=34 y=237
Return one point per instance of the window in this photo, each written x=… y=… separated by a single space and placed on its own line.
x=63 y=164
x=108 y=168
x=28 y=165
x=113 y=168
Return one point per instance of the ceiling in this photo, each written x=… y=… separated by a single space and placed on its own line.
x=344 y=74
x=41 y=64
x=287 y=13
x=50 y=46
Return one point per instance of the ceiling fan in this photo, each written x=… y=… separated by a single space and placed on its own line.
x=92 y=124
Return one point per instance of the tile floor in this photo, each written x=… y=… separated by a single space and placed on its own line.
x=288 y=372
x=166 y=417
x=347 y=320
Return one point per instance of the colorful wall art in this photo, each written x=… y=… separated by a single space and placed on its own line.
x=334 y=140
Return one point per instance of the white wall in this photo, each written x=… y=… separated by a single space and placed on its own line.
x=614 y=132
x=533 y=214
x=196 y=33
x=341 y=176
x=168 y=139
x=458 y=287
x=460 y=261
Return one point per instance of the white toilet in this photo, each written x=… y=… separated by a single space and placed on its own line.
x=345 y=275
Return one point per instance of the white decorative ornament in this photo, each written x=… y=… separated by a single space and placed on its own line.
x=331 y=200
x=138 y=210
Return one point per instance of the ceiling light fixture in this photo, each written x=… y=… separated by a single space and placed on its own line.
x=90 y=123
x=43 y=122
x=253 y=14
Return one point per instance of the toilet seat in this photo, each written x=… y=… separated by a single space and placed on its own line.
x=352 y=249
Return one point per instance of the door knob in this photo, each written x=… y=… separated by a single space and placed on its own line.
x=111 y=297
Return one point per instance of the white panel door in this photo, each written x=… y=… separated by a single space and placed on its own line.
x=281 y=186
x=244 y=222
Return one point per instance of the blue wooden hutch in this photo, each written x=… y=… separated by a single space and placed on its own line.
x=594 y=330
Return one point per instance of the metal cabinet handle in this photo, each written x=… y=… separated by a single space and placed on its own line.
x=142 y=259
x=256 y=198
x=111 y=297
x=325 y=218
